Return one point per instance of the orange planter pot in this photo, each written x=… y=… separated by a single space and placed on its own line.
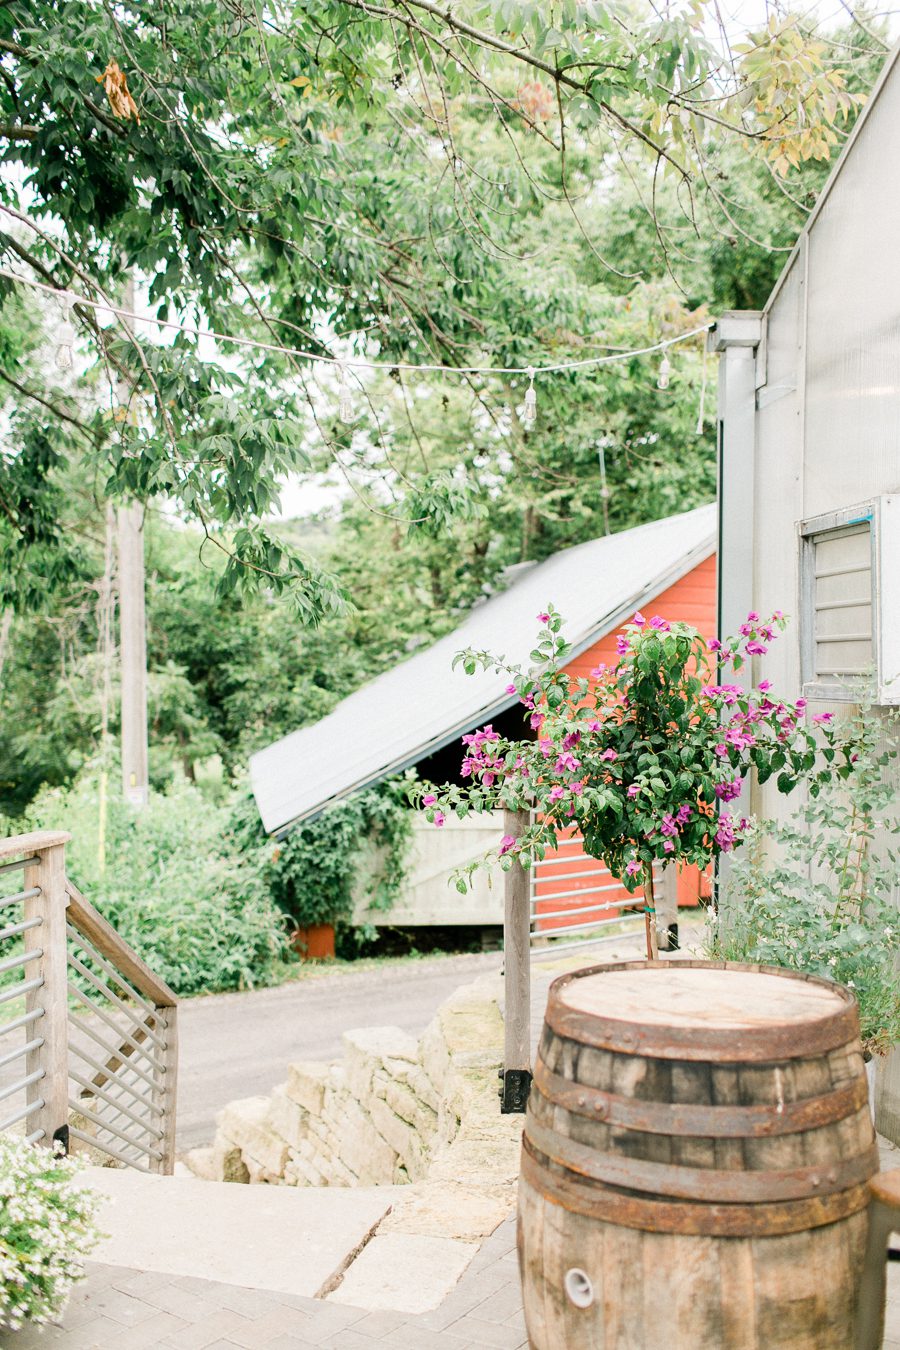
x=315 y=943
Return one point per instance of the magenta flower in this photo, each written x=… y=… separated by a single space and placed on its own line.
x=609 y=755
x=668 y=846
x=429 y=799
x=722 y=750
x=510 y=688
x=683 y=814
x=571 y=739
x=556 y=792
x=598 y=672
x=633 y=790
x=753 y=617
x=639 y=621
x=756 y=649
x=661 y=624
x=621 y=645
x=726 y=792
x=821 y=718
x=595 y=725
x=439 y=819
x=725 y=833
x=544 y=618
x=537 y=720
x=764 y=686
x=633 y=868
x=506 y=843
x=800 y=704
x=668 y=826
x=714 y=645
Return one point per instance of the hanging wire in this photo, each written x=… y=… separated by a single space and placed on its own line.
x=352 y=363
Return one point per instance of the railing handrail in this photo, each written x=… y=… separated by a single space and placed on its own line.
x=33 y=842
x=83 y=916
x=135 y=1083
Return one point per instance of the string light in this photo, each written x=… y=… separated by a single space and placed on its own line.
x=346 y=411
x=665 y=370
x=529 y=411
x=356 y=363
x=65 y=338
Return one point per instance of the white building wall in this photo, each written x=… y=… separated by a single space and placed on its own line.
x=828 y=399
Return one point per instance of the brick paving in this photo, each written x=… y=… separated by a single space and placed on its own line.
x=117 y=1308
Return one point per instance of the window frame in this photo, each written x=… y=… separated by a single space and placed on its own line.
x=810 y=531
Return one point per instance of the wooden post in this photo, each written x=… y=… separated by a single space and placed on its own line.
x=48 y=873
x=516 y=1071
x=650 y=929
x=133 y=643
x=667 y=909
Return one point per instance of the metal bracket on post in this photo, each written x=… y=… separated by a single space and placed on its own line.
x=514 y=1092
x=516 y=1071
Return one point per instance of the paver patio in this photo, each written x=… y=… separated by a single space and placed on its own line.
x=119 y=1309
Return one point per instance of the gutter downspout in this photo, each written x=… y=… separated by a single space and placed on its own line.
x=737 y=337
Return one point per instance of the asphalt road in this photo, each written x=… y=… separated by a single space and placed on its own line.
x=239 y=1045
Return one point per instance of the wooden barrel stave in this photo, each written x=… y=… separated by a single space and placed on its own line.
x=695 y=1289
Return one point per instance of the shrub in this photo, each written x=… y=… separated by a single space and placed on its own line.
x=175 y=883
x=814 y=893
x=46 y=1229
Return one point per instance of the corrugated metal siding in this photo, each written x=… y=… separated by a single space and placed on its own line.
x=691 y=600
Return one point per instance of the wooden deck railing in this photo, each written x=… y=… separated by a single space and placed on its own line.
x=98 y=1029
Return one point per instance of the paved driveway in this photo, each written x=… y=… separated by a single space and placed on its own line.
x=239 y=1045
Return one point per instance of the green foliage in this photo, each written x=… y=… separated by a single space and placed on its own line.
x=177 y=884
x=47 y=1228
x=313 y=874
x=289 y=181
x=816 y=892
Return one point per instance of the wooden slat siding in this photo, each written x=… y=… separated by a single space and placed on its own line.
x=691 y=600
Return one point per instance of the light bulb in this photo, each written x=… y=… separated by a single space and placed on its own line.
x=529 y=411
x=65 y=341
x=665 y=370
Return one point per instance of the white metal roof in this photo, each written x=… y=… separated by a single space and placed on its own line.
x=422 y=704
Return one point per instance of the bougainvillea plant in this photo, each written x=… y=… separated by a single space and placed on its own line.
x=647 y=758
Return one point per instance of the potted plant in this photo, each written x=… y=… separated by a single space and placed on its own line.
x=814 y=893
x=646 y=758
x=46 y=1230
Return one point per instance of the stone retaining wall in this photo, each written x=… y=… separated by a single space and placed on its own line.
x=391 y=1111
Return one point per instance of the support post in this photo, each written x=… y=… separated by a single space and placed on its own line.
x=48 y=874
x=667 y=909
x=133 y=642
x=516 y=1072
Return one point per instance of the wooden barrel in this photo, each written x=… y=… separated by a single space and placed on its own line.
x=695 y=1162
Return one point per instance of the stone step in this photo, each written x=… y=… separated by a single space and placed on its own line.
x=294 y=1240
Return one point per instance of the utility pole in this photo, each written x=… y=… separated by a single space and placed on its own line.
x=132 y=632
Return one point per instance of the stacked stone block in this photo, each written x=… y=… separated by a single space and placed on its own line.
x=391 y=1111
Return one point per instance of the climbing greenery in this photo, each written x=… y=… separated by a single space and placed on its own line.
x=356 y=850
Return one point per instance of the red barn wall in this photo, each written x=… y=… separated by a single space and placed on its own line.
x=691 y=600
